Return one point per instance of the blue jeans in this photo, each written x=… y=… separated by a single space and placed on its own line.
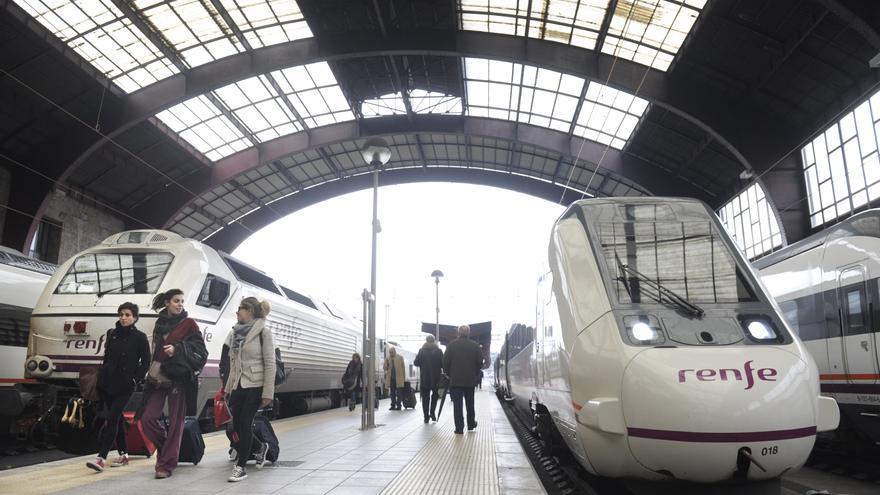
x=466 y=393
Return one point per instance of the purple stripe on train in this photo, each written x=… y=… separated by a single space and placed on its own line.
x=696 y=436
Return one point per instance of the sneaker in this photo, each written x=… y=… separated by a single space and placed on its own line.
x=120 y=461
x=238 y=474
x=260 y=456
x=233 y=455
x=161 y=475
x=98 y=464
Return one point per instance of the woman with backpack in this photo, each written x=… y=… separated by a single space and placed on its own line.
x=250 y=382
x=126 y=359
x=179 y=353
x=352 y=379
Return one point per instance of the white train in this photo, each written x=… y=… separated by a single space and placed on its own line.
x=22 y=280
x=78 y=305
x=657 y=355
x=827 y=288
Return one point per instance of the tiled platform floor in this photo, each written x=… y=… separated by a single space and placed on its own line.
x=327 y=453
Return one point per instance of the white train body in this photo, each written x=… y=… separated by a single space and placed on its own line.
x=827 y=288
x=22 y=280
x=643 y=389
x=79 y=304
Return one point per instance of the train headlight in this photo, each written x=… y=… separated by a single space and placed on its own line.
x=32 y=365
x=44 y=365
x=759 y=329
x=644 y=330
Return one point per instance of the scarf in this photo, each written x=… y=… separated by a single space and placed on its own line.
x=241 y=331
x=165 y=324
x=121 y=331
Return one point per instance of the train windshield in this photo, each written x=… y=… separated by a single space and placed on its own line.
x=682 y=262
x=116 y=273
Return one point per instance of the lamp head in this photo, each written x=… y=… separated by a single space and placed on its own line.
x=376 y=151
x=437 y=274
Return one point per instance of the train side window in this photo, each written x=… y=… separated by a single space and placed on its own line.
x=214 y=292
x=790 y=312
x=854 y=309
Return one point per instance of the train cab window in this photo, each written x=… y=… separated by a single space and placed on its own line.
x=251 y=275
x=855 y=310
x=214 y=292
x=121 y=273
x=297 y=297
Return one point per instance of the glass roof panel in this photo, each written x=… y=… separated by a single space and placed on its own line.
x=268 y=22
x=421 y=101
x=574 y=22
x=200 y=35
x=390 y=104
x=100 y=33
x=201 y=124
x=314 y=92
x=609 y=116
x=650 y=32
x=522 y=93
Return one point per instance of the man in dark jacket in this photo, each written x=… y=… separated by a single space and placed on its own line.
x=430 y=363
x=462 y=363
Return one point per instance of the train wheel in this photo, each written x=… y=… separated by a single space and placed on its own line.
x=547 y=434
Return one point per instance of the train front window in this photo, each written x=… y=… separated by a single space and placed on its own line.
x=115 y=273
x=685 y=259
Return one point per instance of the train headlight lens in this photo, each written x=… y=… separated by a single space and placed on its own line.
x=32 y=365
x=44 y=365
x=643 y=330
x=760 y=329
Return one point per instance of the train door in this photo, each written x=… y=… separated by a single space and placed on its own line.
x=857 y=339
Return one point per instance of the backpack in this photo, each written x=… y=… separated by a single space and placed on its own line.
x=280 y=372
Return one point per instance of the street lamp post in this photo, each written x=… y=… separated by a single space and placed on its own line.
x=376 y=153
x=437 y=274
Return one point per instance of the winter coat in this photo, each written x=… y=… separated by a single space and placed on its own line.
x=253 y=364
x=462 y=362
x=126 y=361
x=399 y=371
x=352 y=379
x=189 y=351
x=430 y=363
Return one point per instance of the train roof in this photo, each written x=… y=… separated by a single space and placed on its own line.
x=11 y=257
x=866 y=223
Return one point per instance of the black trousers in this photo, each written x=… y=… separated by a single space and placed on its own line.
x=466 y=393
x=114 y=429
x=243 y=405
x=395 y=396
x=429 y=400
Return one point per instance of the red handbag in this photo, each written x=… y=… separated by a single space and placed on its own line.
x=221 y=409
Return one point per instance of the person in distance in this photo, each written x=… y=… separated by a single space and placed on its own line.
x=462 y=361
x=430 y=363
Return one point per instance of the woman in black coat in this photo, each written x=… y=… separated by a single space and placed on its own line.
x=126 y=360
x=352 y=380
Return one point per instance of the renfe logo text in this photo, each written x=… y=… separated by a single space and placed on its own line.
x=724 y=374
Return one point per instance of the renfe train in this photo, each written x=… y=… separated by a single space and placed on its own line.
x=827 y=288
x=22 y=280
x=657 y=355
x=78 y=305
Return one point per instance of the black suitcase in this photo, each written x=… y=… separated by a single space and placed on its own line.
x=408 y=397
x=192 y=445
x=264 y=433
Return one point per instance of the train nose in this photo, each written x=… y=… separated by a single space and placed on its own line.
x=722 y=413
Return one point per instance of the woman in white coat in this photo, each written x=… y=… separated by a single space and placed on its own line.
x=250 y=384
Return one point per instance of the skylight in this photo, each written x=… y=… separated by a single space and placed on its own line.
x=748 y=219
x=649 y=32
x=100 y=33
x=421 y=101
x=268 y=22
x=546 y=98
x=309 y=90
x=574 y=22
x=609 y=116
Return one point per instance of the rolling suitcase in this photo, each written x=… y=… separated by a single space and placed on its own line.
x=192 y=445
x=138 y=443
x=408 y=397
x=264 y=433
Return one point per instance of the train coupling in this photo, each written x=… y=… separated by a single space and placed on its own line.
x=744 y=460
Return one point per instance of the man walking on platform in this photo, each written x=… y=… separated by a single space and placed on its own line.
x=462 y=363
x=430 y=361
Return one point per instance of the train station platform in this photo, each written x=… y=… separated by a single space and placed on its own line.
x=326 y=453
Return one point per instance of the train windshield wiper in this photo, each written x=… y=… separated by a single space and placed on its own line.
x=685 y=305
x=123 y=287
